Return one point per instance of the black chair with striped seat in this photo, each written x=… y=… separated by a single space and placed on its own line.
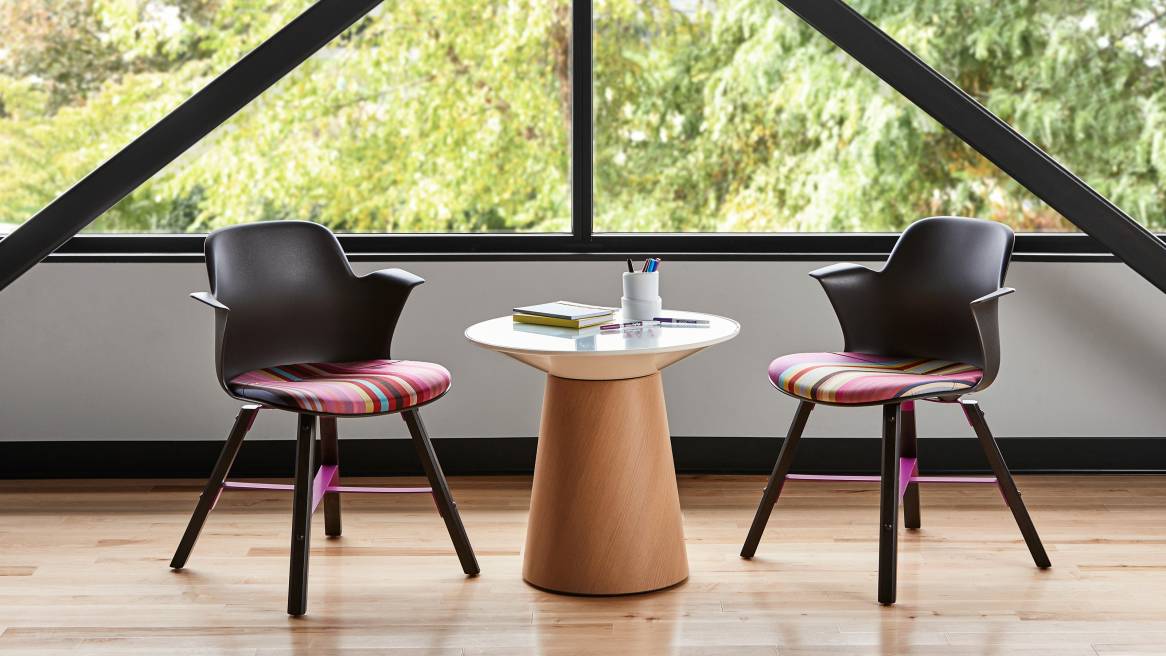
x=297 y=330
x=924 y=328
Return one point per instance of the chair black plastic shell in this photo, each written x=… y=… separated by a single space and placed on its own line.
x=284 y=293
x=936 y=297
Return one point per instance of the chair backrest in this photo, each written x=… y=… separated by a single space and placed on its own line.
x=292 y=296
x=937 y=268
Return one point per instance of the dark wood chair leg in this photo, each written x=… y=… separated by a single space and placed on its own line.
x=301 y=533
x=909 y=448
x=785 y=460
x=330 y=455
x=976 y=418
x=214 y=484
x=889 y=505
x=441 y=495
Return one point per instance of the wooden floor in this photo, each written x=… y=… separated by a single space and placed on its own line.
x=83 y=570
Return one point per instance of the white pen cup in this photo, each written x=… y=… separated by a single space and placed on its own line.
x=641 y=296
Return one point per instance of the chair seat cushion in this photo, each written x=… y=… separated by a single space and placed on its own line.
x=861 y=378
x=345 y=388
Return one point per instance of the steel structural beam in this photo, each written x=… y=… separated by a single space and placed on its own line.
x=173 y=135
x=987 y=134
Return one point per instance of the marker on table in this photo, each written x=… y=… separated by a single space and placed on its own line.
x=685 y=322
x=628 y=324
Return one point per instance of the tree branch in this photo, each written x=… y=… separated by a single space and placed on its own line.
x=1142 y=27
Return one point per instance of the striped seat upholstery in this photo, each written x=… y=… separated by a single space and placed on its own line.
x=345 y=388
x=860 y=378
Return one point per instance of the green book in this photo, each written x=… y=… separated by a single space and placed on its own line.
x=564 y=310
x=585 y=322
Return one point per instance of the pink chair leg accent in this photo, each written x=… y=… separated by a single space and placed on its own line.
x=381 y=490
x=239 y=485
x=907 y=474
x=915 y=478
x=325 y=478
x=956 y=479
x=841 y=478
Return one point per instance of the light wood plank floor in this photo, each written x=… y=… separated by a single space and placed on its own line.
x=83 y=570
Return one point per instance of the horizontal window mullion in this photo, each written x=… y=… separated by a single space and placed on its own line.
x=599 y=244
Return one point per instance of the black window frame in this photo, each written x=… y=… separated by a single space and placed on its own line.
x=583 y=242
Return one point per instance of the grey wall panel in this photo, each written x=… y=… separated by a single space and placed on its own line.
x=118 y=352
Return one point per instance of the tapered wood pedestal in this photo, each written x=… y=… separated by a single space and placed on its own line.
x=604 y=513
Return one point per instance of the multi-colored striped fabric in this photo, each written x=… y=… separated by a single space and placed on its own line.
x=345 y=388
x=854 y=378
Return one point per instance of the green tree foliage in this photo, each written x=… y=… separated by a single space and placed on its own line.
x=454 y=115
x=1083 y=80
x=736 y=115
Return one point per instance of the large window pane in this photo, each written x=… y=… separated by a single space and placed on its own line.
x=1083 y=80
x=734 y=115
x=80 y=78
x=426 y=116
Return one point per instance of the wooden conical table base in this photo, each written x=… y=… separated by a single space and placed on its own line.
x=604 y=513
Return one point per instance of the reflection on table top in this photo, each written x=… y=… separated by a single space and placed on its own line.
x=503 y=334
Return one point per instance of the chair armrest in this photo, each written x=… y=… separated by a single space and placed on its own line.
x=385 y=293
x=209 y=299
x=851 y=289
x=1003 y=291
x=394 y=278
x=222 y=312
x=841 y=270
x=985 y=311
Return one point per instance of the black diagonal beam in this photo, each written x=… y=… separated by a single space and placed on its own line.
x=174 y=134
x=990 y=136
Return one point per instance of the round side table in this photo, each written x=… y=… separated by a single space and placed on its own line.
x=604 y=510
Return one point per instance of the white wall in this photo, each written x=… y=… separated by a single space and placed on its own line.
x=118 y=352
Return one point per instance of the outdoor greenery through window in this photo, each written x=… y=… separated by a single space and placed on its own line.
x=734 y=115
x=454 y=116
x=426 y=116
x=1082 y=80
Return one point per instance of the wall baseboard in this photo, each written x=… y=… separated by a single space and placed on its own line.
x=709 y=455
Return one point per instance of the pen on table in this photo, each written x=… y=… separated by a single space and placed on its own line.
x=628 y=324
x=631 y=269
x=686 y=322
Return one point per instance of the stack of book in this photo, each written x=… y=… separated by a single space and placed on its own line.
x=564 y=314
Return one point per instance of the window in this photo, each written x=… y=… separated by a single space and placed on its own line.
x=739 y=117
x=438 y=117
x=80 y=78
x=426 y=116
x=1082 y=80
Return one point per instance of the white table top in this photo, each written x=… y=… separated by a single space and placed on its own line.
x=602 y=355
